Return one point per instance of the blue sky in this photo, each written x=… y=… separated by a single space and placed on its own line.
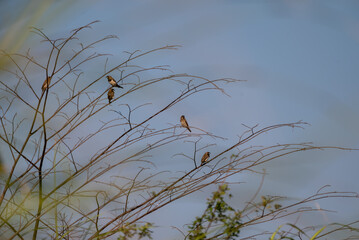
x=300 y=60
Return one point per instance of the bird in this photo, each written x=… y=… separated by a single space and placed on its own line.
x=205 y=158
x=112 y=81
x=46 y=84
x=110 y=94
x=184 y=123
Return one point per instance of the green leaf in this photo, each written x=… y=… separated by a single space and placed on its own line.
x=316 y=234
x=273 y=235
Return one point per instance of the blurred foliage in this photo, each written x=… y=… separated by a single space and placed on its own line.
x=16 y=25
x=219 y=220
x=134 y=230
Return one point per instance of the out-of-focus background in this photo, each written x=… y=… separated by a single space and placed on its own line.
x=300 y=60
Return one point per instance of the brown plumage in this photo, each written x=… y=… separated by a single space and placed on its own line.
x=112 y=81
x=184 y=123
x=205 y=158
x=110 y=94
x=46 y=84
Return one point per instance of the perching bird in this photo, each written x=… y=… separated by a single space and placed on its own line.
x=46 y=84
x=184 y=123
x=205 y=158
x=110 y=94
x=112 y=82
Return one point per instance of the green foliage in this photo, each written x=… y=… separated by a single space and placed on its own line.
x=284 y=234
x=219 y=220
x=131 y=231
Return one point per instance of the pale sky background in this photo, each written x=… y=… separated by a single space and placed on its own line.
x=300 y=60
